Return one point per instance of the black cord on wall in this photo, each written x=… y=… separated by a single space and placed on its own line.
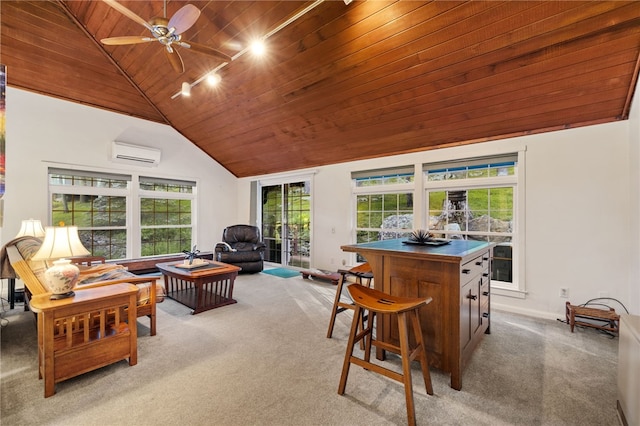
x=589 y=303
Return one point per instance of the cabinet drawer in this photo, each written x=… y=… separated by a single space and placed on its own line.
x=473 y=268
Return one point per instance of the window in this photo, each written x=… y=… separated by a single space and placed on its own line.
x=476 y=199
x=165 y=215
x=104 y=207
x=94 y=202
x=384 y=203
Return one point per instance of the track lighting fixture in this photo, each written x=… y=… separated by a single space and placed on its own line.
x=255 y=48
x=186 y=89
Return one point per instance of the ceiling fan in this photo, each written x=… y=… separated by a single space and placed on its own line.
x=166 y=31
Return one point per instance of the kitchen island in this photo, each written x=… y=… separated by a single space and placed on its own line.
x=456 y=275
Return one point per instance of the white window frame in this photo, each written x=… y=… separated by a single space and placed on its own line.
x=396 y=188
x=165 y=195
x=517 y=287
x=133 y=195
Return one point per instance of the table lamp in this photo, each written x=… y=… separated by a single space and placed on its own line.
x=59 y=243
x=31 y=228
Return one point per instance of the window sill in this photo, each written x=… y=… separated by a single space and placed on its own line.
x=508 y=292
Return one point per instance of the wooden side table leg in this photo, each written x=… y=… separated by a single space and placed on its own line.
x=133 y=329
x=48 y=355
x=40 y=323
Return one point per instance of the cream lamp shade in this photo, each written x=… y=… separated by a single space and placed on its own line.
x=61 y=242
x=31 y=228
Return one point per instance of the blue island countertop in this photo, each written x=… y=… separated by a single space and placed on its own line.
x=455 y=249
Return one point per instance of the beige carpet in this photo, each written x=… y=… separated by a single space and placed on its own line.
x=266 y=361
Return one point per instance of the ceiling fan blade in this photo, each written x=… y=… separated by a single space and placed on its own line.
x=175 y=60
x=184 y=18
x=118 y=41
x=201 y=48
x=128 y=13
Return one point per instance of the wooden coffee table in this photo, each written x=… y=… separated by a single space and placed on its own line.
x=205 y=287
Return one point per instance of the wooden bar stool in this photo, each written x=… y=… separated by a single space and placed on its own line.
x=363 y=276
x=377 y=302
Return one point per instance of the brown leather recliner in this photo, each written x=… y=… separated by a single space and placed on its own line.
x=241 y=246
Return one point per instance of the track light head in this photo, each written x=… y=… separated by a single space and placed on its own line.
x=186 y=89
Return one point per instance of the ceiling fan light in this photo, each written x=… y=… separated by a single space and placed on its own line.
x=186 y=89
x=213 y=79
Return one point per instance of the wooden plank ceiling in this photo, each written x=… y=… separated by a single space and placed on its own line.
x=342 y=82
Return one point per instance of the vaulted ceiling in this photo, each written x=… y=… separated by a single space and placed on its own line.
x=341 y=82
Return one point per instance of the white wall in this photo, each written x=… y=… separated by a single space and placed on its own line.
x=43 y=131
x=582 y=197
x=579 y=204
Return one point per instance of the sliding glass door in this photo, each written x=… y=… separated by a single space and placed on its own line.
x=286 y=223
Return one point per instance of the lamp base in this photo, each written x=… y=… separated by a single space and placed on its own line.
x=62 y=296
x=61 y=278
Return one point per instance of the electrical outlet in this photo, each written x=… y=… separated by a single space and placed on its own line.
x=564 y=292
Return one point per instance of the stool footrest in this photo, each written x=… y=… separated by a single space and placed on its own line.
x=377 y=369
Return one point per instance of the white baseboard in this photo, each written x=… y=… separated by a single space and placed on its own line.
x=523 y=311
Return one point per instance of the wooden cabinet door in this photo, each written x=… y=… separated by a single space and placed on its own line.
x=465 y=315
x=470 y=311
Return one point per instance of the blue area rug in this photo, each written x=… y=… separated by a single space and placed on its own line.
x=282 y=272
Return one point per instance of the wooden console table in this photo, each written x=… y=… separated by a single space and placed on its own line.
x=94 y=328
x=200 y=289
x=456 y=276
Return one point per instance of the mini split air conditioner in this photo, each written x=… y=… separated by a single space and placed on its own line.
x=123 y=152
